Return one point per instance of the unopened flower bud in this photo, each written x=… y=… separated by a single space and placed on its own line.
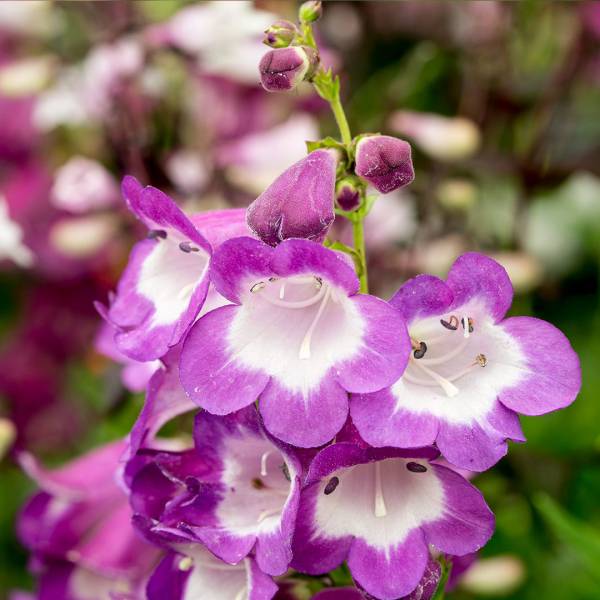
x=385 y=162
x=347 y=194
x=311 y=11
x=280 y=35
x=299 y=203
x=283 y=69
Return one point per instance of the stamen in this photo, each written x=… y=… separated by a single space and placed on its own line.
x=185 y=291
x=450 y=389
x=481 y=360
x=186 y=563
x=420 y=351
x=282 y=290
x=263 y=463
x=261 y=285
x=414 y=467
x=331 y=485
x=467 y=325
x=318 y=283
x=440 y=360
x=288 y=304
x=258 y=484
x=451 y=324
x=286 y=471
x=157 y=234
x=304 y=353
x=268 y=513
x=380 y=507
x=187 y=247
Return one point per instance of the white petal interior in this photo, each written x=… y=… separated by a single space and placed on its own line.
x=212 y=579
x=295 y=329
x=448 y=381
x=256 y=486
x=169 y=277
x=378 y=502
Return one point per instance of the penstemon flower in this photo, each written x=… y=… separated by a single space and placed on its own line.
x=471 y=371
x=379 y=509
x=244 y=500
x=298 y=337
x=166 y=281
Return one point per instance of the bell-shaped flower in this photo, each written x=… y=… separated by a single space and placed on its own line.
x=298 y=338
x=194 y=572
x=471 y=370
x=78 y=527
x=165 y=283
x=236 y=492
x=282 y=69
x=385 y=162
x=379 y=510
x=299 y=203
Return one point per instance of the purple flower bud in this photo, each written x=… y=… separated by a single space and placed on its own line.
x=384 y=162
x=347 y=194
x=311 y=11
x=283 y=69
x=280 y=35
x=299 y=203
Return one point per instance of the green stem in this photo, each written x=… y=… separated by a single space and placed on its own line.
x=340 y=118
x=358 y=232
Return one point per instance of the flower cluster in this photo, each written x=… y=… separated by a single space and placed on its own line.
x=326 y=411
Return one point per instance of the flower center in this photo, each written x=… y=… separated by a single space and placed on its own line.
x=321 y=297
x=429 y=376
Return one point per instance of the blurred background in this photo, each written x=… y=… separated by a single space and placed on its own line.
x=501 y=102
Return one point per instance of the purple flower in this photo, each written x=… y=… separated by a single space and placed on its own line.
x=347 y=194
x=379 y=509
x=282 y=69
x=471 y=370
x=196 y=571
x=237 y=492
x=385 y=162
x=299 y=203
x=298 y=338
x=166 y=281
x=79 y=528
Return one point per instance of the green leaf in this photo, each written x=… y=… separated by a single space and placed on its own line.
x=578 y=536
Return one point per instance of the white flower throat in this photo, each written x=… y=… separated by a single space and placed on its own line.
x=323 y=293
x=426 y=367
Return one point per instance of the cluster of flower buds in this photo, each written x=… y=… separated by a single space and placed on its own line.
x=293 y=58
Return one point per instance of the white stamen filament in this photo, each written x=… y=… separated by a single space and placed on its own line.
x=304 y=353
x=186 y=290
x=282 y=291
x=268 y=513
x=298 y=304
x=450 y=389
x=465 y=322
x=263 y=463
x=380 y=507
x=440 y=360
x=242 y=594
x=214 y=566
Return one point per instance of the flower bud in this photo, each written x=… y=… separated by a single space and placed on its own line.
x=299 y=203
x=283 y=69
x=385 y=162
x=280 y=35
x=347 y=194
x=311 y=11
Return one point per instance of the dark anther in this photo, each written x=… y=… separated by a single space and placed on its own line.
x=481 y=360
x=470 y=321
x=420 y=351
x=452 y=324
x=285 y=471
x=414 y=467
x=258 y=484
x=156 y=234
x=331 y=485
x=272 y=279
x=187 y=247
